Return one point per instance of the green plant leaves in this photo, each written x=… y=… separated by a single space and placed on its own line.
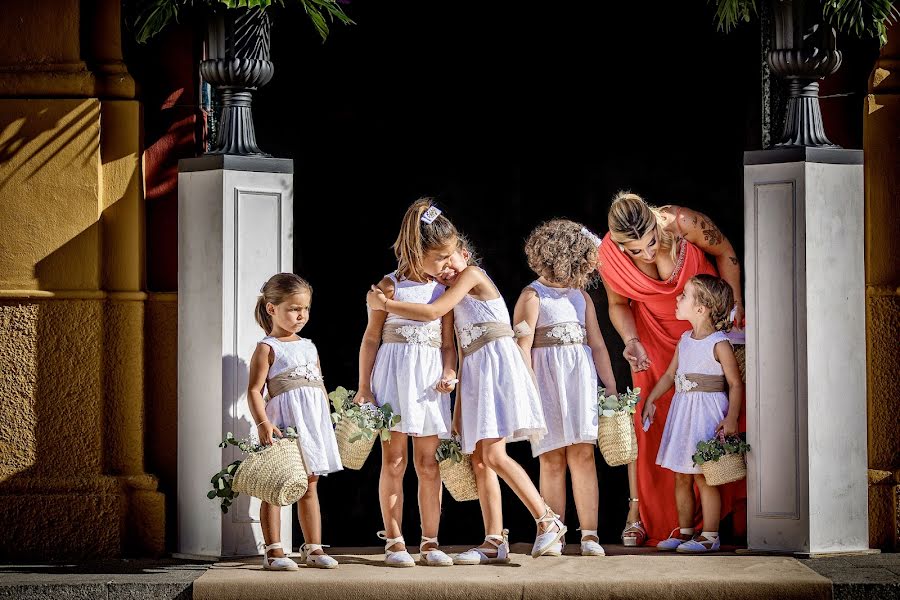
x=717 y=447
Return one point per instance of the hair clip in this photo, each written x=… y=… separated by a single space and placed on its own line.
x=430 y=215
x=591 y=236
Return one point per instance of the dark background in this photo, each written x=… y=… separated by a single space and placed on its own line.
x=509 y=115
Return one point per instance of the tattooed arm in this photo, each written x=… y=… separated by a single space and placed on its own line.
x=700 y=230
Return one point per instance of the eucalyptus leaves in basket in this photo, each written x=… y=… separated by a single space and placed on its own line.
x=721 y=459
x=719 y=446
x=222 y=481
x=615 y=426
x=623 y=403
x=456 y=470
x=370 y=420
x=449 y=449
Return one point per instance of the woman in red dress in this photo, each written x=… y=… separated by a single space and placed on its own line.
x=645 y=260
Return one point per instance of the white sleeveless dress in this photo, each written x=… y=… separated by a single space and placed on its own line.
x=566 y=375
x=693 y=416
x=405 y=375
x=306 y=409
x=499 y=398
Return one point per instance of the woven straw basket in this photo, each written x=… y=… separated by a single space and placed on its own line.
x=741 y=355
x=459 y=478
x=728 y=468
x=275 y=475
x=616 y=438
x=353 y=454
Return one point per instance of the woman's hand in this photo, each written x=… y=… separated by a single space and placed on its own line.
x=376 y=300
x=636 y=355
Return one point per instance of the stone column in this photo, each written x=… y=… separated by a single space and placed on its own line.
x=235 y=228
x=806 y=353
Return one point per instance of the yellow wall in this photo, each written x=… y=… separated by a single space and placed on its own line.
x=72 y=306
x=882 y=155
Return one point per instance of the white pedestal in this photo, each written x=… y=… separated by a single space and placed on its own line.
x=235 y=230
x=806 y=351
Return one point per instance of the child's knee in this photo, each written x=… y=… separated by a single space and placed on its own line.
x=555 y=461
x=426 y=467
x=683 y=480
x=393 y=466
x=580 y=455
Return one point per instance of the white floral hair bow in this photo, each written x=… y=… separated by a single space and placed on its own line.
x=430 y=215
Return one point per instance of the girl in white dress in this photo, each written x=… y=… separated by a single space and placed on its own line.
x=288 y=366
x=496 y=402
x=412 y=366
x=702 y=368
x=562 y=337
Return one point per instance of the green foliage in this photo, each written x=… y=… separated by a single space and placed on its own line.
x=150 y=17
x=719 y=446
x=610 y=405
x=372 y=420
x=860 y=18
x=449 y=449
x=221 y=481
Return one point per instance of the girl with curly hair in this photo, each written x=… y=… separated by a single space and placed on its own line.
x=558 y=330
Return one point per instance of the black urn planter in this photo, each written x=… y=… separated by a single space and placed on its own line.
x=237 y=47
x=805 y=52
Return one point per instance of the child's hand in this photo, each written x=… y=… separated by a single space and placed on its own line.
x=649 y=411
x=636 y=356
x=375 y=299
x=267 y=433
x=728 y=426
x=447 y=383
x=364 y=396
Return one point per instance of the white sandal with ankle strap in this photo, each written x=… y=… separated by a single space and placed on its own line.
x=478 y=556
x=395 y=558
x=277 y=563
x=634 y=533
x=546 y=540
x=319 y=561
x=590 y=547
x=433 y=557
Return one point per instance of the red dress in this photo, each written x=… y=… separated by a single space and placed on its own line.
x=653 y=306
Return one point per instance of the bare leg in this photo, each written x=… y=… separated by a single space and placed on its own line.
x=390 y=485
x=429 y=485
x=684 y=501
x=710 y=502
x=633 y=507
x=553 y=479
x=309 y=514
x=495 y=457
x=585 y=488
x=489 y=497
x=270 y=522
